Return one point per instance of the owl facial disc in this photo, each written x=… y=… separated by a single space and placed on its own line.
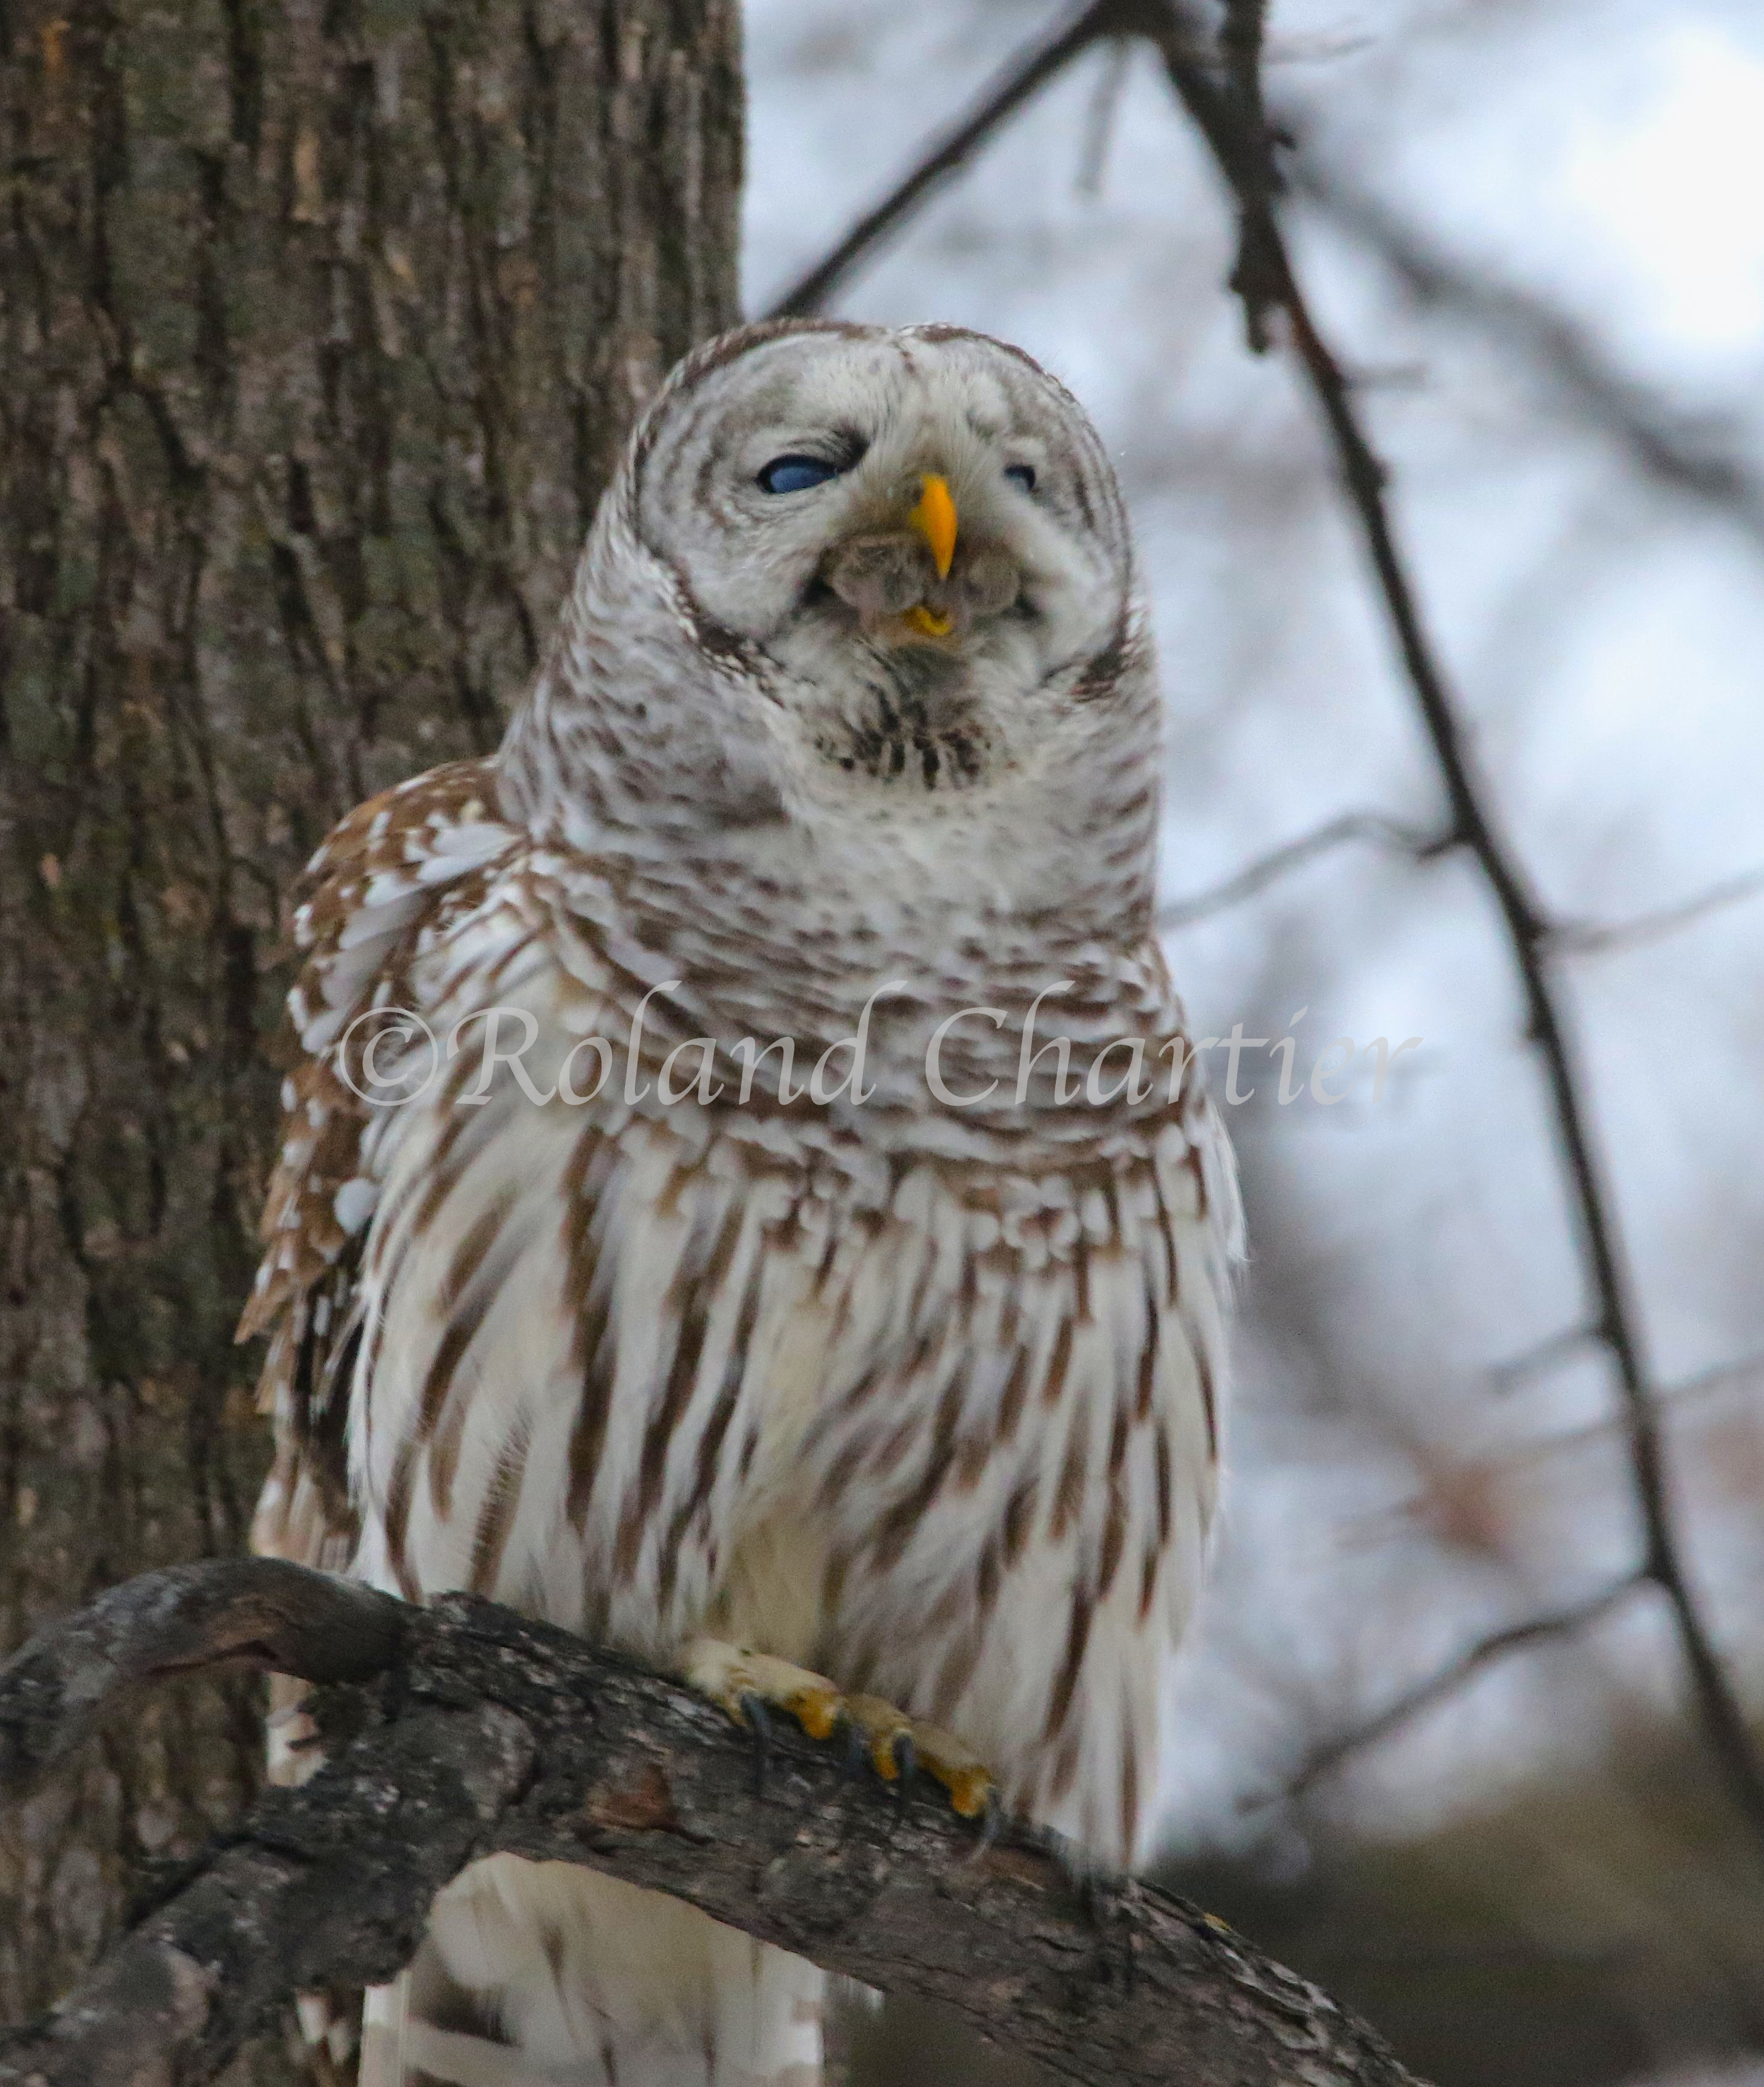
x=881 y=525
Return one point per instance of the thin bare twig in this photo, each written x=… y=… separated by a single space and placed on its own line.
x=1676 y=1400
x=1579 y=938
x=1559 y=1346
x=1544 y=1357
x=1101 y=119
x=471 y=1732
x=1020 y=81
x=1446 y=1680
x=1476 y=828
x=1377 y=827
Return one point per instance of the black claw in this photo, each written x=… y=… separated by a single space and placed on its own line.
x=906 y=1758
x=759 y=1724
x=991 y=1819
x=856 y=1748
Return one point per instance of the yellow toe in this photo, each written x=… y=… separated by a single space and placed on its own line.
x=733 y=1676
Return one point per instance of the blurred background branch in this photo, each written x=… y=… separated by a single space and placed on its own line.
x=1018 y=81
x=1372 y=827
x=1324 y=1760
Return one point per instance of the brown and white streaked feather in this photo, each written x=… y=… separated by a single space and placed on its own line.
x=355 y=925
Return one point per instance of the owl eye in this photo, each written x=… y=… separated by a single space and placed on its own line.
x=795 y=474
x=1023 y=474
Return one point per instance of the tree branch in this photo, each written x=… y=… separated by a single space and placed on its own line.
x=461 y=1730
x=186 y=1618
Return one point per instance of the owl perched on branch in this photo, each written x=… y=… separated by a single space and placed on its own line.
x=747 y=1195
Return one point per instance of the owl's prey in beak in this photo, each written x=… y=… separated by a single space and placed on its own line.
x=905 y=583
x=934 y=518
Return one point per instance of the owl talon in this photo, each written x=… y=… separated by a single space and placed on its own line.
x=749 y=1684
x=992 y=1818
x=758 y=1720
x=856 y=1750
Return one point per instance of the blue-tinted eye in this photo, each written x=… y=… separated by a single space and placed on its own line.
x=1023 y=474
x=795 y=474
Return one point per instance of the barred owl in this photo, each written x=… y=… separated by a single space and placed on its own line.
x=896 y=1397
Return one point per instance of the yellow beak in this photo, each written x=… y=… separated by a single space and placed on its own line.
x=934 y=518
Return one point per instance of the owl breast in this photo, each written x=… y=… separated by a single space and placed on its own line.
x=939 y=1421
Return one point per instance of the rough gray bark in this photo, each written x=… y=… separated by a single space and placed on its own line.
x=320 y=322
x=460 y=1730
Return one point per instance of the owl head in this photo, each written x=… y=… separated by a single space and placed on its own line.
x=846 y=571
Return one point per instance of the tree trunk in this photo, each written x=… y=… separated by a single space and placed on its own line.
x=323 y=321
